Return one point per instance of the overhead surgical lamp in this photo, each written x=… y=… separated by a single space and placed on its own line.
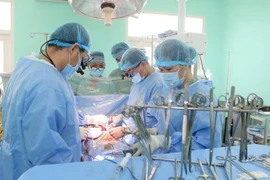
x=107 y=9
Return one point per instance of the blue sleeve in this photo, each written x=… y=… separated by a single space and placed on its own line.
x=155 y=117
x=81 y=119
x=201 y=130
x=200 y=136
x=176 y=144
x=45 y=124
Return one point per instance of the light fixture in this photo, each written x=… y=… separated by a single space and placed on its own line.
x=107 y=9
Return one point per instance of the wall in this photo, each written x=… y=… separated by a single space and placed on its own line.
x=46 y=16
x=247 y=28
x=32 y=16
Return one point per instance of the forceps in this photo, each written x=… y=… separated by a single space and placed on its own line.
x=212 y=125
x=176 y=177
x=259 y=161
x=231 y=159
x=204 y=175
x=184 y=131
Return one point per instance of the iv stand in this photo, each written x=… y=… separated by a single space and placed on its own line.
x=32 y=35
x=228 y=73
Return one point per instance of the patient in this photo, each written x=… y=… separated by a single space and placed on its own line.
x=99 y=144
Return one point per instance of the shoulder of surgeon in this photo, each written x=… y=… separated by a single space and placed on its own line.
x=158 y=79
x=199 y=86
x=33 y=72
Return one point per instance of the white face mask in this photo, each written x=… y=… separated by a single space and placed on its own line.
x=69 y=70
x=136 y=78
x=172 y=78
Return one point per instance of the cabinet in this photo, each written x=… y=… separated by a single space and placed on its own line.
x=264 y=132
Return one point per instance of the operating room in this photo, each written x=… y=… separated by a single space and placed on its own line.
x=231 y=42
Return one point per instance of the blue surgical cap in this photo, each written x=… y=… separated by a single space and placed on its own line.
x=119 y=49
x=97 y=56
x=131 y=58
x=69 y=34
x=173 y=52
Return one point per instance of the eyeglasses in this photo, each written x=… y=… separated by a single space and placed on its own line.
x=169 y=68
x=130 y=71
x=94 y=69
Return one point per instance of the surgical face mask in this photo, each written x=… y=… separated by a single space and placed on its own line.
x=172 y=78
x=136 y=78
x=96 y=72
x=69 y=70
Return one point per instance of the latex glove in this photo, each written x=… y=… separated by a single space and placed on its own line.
x=96 y=119
x=118 y=132
x=151 y=131
x=157 y=141
x=116 y=119
x=83 y=133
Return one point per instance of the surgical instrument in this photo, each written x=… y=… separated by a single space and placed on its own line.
x=222 y=101
x=258 y=161
x=120 y=167
x=231 y=159
x=212 y=125
x=159 y=100
x=199 y=100
x=189 y=138
x=196 y=108
x=167 y=119
x=229 y=122
x=204 y=175
x=145 y=169
x=154 y=169
x=212 y=170
x=254 y=101
x=193 y=162
x=184 y=132
x=176 y=177
x=243 y=144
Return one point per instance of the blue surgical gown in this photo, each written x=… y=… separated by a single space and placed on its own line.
x=201 y=126
x=145 y=91
x=40 y=122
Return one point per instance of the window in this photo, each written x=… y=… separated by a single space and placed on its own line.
x=142 y=32
x=6 y=35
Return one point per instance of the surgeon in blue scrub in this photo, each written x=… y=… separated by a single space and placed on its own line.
x=174 y=58
x=117 y=52
x=96 y=64
x=40 y=120
x=146 y=84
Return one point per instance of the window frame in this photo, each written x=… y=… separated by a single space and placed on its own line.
x=149 y=40
x=7 y=36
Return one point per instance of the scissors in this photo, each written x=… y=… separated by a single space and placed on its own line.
x=222 y=101
x=254 y=101
x=204 y=175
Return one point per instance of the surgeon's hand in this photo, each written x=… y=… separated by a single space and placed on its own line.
x=83 y=133
x=118 y=132
x=157 y=141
